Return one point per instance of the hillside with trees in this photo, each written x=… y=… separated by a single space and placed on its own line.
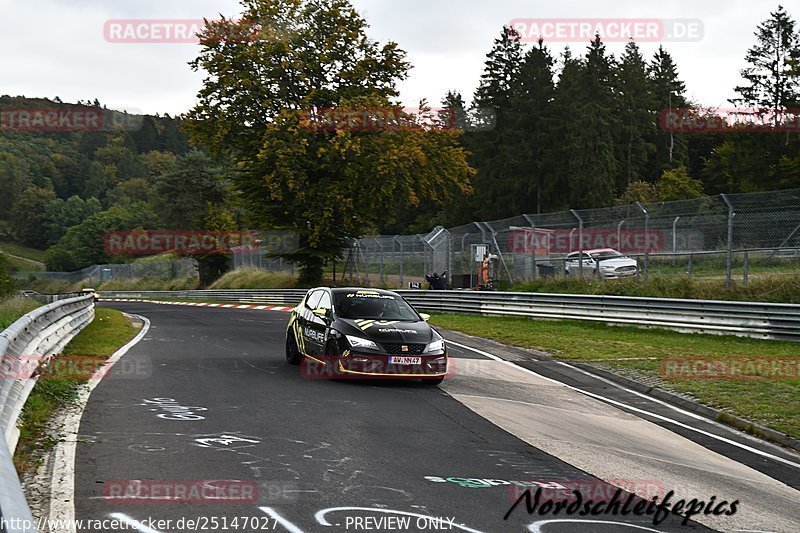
x=576 y=129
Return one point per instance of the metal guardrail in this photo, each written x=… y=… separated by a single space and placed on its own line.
x=28 y=342
x=751 y=319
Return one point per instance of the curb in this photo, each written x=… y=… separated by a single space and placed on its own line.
x=201 y=304
x=718 y=415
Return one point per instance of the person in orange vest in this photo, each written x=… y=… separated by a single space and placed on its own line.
x=485 y=270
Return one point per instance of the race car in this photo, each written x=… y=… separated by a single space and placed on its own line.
x=363 y=333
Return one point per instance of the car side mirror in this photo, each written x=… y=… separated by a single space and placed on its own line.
x=425 y=316
x=322 y=312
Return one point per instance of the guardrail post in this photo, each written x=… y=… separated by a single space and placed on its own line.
x=580 y=241
x=646 y=239
x=729 y=262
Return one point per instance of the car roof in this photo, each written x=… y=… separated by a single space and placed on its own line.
x=597 y=250
x=340 y=290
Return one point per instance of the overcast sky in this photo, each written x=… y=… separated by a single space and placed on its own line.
x=58 y=47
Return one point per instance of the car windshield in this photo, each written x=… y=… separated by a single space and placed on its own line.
x=606 y=254
x=373 y=305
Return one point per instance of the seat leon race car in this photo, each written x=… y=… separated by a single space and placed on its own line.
x=363 y=333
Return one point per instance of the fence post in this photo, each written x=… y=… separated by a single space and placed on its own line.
x=674 y=239
x=646 y=240
x=535 y=242
x=580 y=241
x=729 y=262
x=400 y=243
x=746 y=268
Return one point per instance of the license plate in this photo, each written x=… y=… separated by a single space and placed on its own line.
x=401 y=360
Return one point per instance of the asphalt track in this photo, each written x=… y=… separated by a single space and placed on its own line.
x=207 y=395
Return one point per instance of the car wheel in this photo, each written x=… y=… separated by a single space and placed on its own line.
x=433 y=382
x=293 y=355
x=331 y=357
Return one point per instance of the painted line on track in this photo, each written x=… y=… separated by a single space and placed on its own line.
x=635 y=409
x=62 y=486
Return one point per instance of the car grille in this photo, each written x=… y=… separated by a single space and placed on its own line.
x=629 y=268
x=397 y=349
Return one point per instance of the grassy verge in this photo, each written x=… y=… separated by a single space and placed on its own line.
x=58 y=385
x=150 y=284
x=782 y=289
x=641 y=353
x=22 y=251
x=13 y=308
x=251 y=278
x=21 y=264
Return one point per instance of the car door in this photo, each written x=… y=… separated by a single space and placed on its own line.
x=307 y=319
x=318 y=325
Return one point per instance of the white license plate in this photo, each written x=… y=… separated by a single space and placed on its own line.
x=401 y=360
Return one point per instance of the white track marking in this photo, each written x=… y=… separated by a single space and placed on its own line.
x=62 y=487
x=291 y=528
x=634 y=409
x=133 y=523
x=536 y=527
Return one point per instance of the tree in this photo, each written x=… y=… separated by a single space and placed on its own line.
x=533 y=121
x=583 y=107
x=185 y=193
x=771 y=78
x=28 y=216
x=636 y=117
x=500 y=71
x=5 y=278
x=667 y=92
x=493 y=149
x=325 y=185
x=678 y=185
x=638 y=191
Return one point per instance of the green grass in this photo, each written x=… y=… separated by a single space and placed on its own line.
x=150 y=284
x=22 y=251
x=782 y=289
x=13 y=308
x=20 y=264
x=58 y=387
x=251 y=278
x=638 y=352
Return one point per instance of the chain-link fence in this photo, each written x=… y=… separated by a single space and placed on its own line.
x=730 y=237
x=97 y=274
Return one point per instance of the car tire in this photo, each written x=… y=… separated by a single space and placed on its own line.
x=293 y=355
x=331 y=355
x=434 y=381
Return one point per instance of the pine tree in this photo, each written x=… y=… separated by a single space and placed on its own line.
x=584 y=109
x=533 y=122
x=772 y=78
x=667 y=92
x=637 y=117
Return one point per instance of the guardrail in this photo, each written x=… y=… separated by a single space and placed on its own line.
x=34 y=338
x=751 y=319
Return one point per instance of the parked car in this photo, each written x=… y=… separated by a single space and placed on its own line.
x=602 y=263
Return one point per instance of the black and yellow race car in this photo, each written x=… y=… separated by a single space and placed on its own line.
x=363 y=333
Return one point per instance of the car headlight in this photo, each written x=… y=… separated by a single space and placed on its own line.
x=435 y=346
x=358 y=342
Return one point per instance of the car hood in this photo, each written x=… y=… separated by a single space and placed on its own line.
x=618 y=262
x=389 y=331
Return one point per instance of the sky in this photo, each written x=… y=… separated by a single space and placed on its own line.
x=55 y=48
